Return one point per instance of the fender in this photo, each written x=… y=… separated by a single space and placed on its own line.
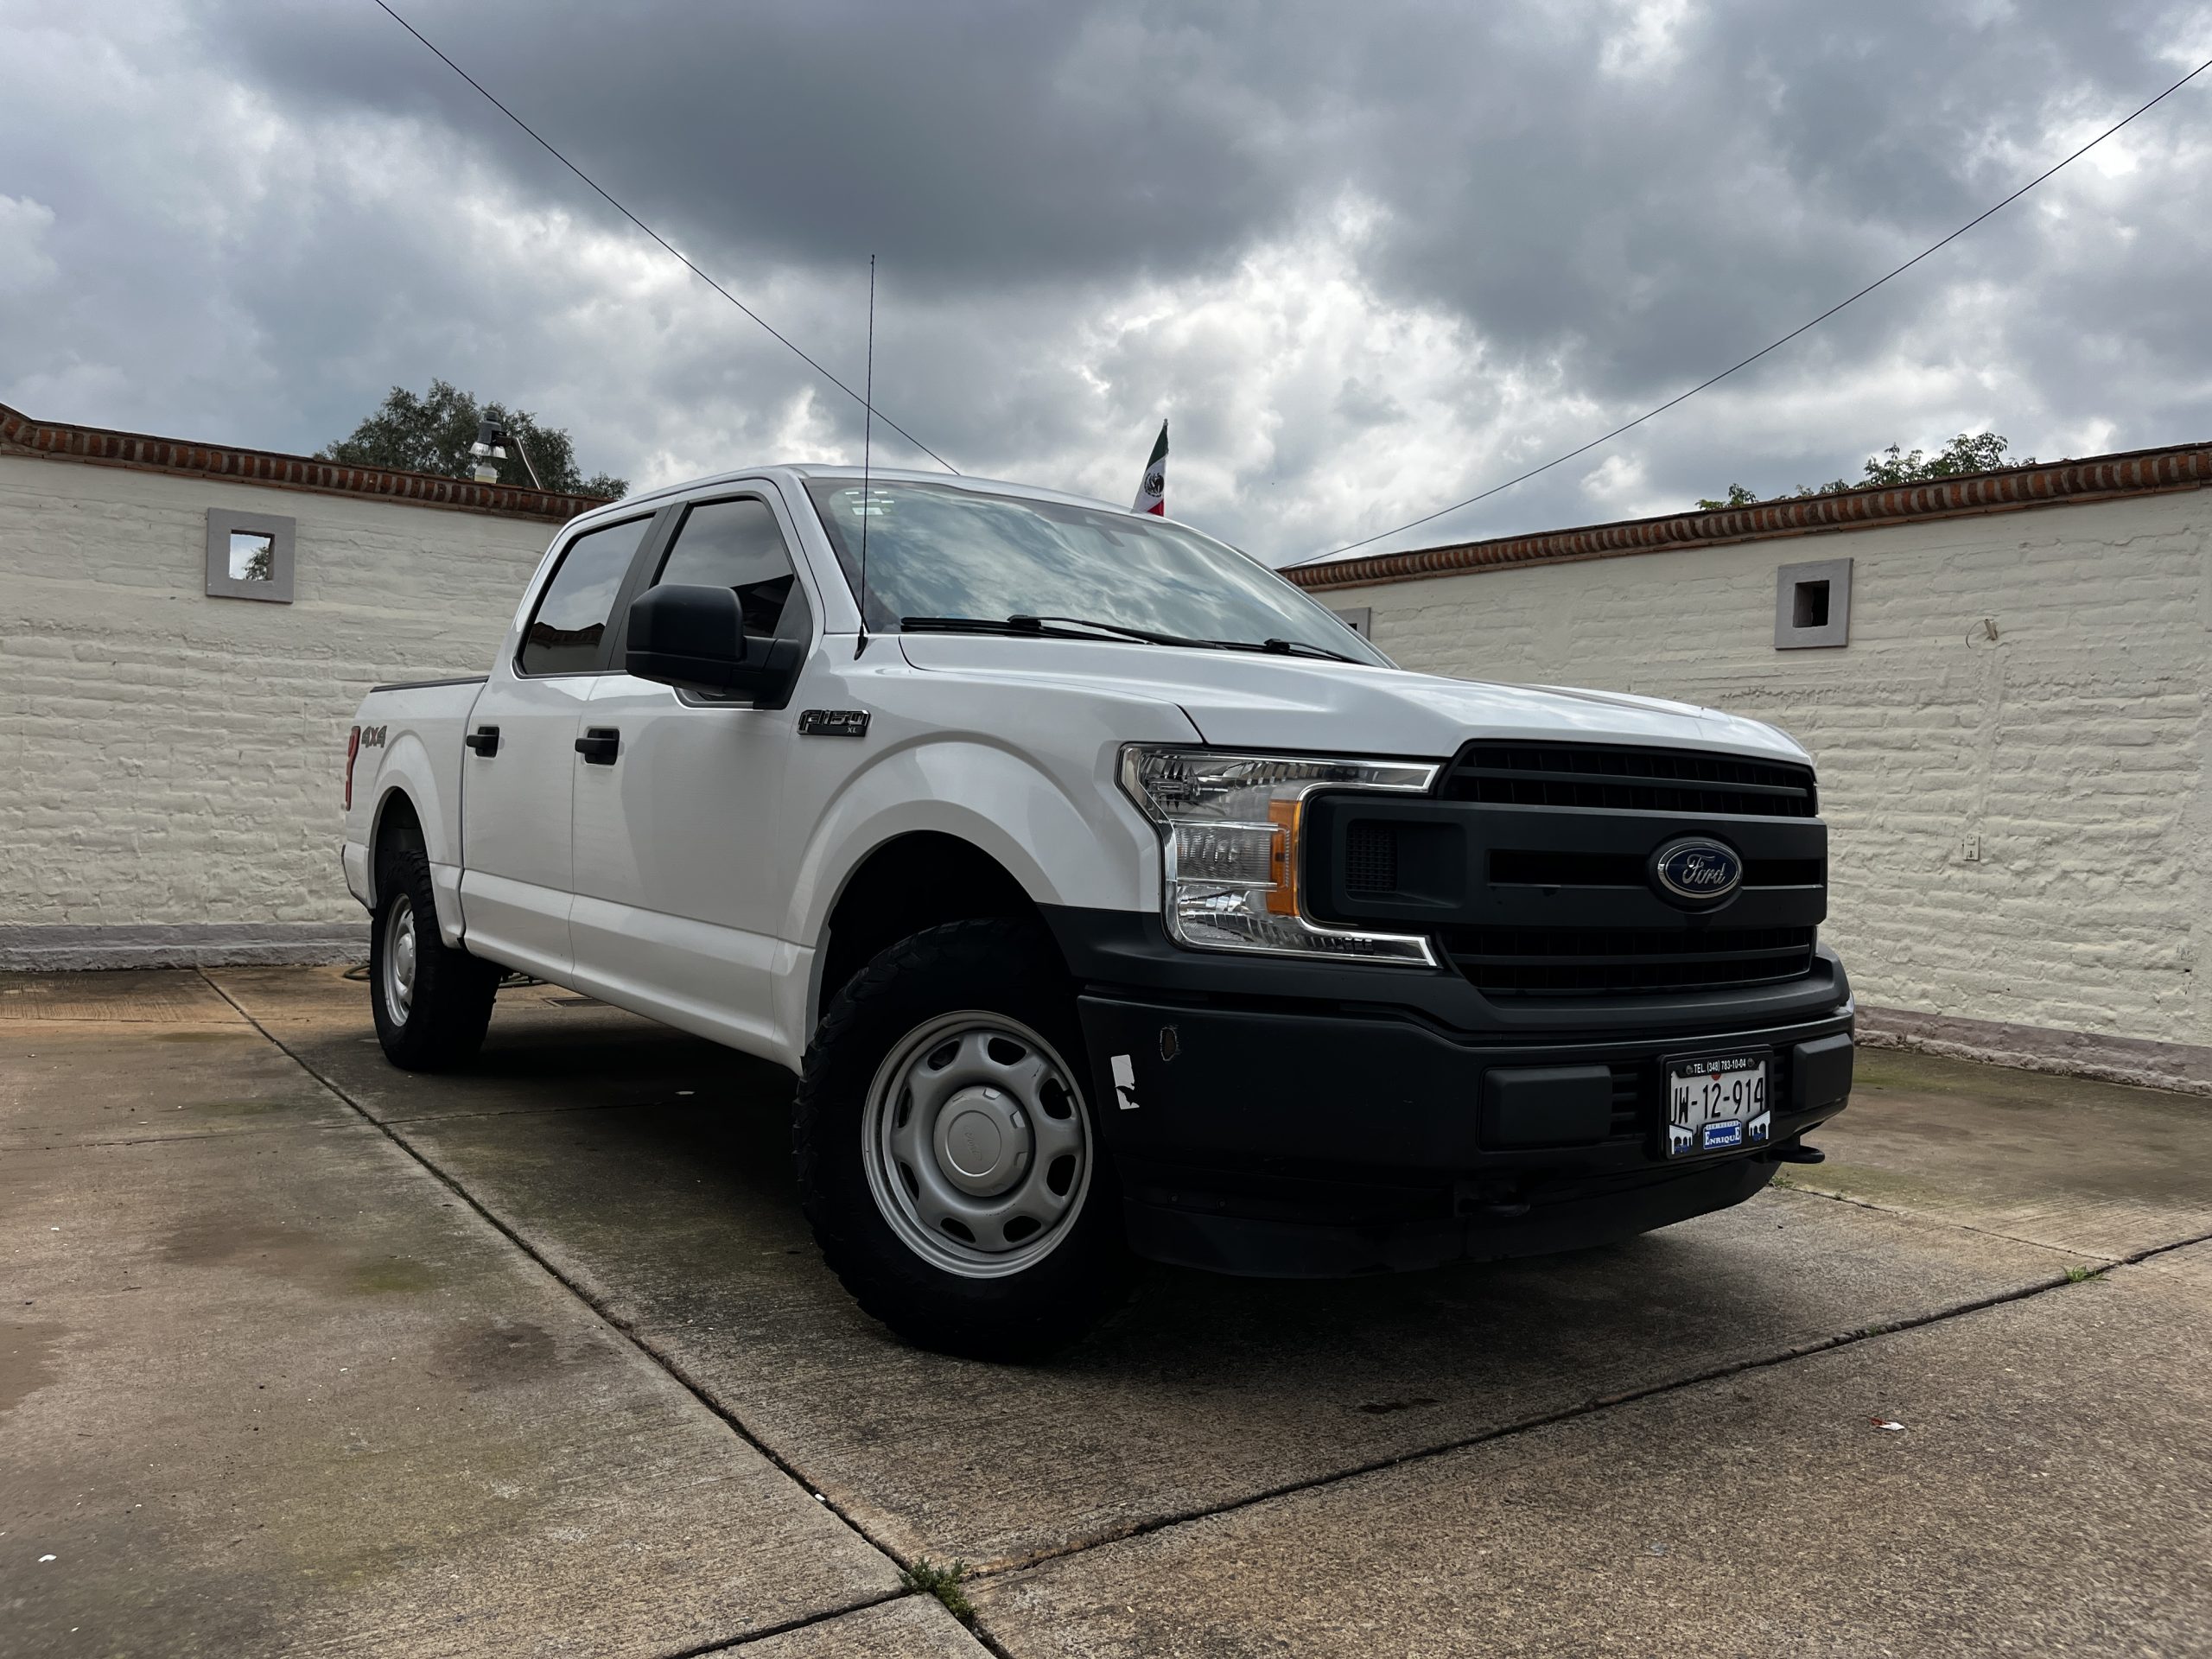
x=1091 y=848
x=408 y=771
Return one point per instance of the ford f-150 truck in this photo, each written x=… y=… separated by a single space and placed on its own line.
x=1108 y=895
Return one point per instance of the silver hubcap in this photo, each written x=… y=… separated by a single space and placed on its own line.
x=976 y=1143
x=400 y=959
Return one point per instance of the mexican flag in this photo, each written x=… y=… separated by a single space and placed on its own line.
x=1152 y=493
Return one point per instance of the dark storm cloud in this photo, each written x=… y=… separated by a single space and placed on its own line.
x=1663 y=225
x=1369 y=258
x=978 y=145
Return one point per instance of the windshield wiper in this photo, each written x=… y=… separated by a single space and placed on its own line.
x=1044 y=628
x=1118 y=629
x=1062 y=627
x=982 y=624
x=1277 y=647
x=1291 y=647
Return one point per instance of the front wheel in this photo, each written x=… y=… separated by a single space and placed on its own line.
x=946 y=1154
x=432 y=1003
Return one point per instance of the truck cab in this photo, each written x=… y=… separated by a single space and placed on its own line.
x=1107 y=896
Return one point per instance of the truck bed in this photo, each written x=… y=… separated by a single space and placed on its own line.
x=412 y=735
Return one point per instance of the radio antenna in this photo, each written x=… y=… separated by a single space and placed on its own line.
x=868 y=434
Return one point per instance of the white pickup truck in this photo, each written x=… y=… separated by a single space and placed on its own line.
x=1109 y=896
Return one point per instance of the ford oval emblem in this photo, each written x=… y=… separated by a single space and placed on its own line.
x=1696 y=870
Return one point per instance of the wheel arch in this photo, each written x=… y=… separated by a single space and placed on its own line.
x=397 y=808
x=914 y=880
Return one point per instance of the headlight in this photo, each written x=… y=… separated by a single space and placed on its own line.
x=1228 y=831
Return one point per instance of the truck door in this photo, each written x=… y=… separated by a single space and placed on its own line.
x=678 y=880
x=519 y=777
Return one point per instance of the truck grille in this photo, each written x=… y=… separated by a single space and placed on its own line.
x=1533 y=960
x=1630 y=1092
x=1628 y=780
x=1531 y=867
x=1371 y=858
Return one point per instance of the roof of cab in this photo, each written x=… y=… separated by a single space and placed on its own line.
x=797 y=471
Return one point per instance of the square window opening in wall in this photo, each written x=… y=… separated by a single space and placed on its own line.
x=250 y=556
x=1360 y=621
x=1812 y=605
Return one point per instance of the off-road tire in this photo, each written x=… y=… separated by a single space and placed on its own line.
x=1000 y=967
x=443 y=1022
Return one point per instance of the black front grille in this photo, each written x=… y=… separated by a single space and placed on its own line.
x=1628 y=780
x=1531 y=867
x=1517 y=866
x=1630 y=1093
x=1536 y=961
x=1371 y=858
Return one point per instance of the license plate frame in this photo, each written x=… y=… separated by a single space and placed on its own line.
x=1716 y=1104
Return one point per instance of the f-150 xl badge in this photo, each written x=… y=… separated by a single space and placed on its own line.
x=833 y=723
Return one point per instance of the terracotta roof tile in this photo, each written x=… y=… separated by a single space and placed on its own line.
x=2099 y=478
x=20 y=435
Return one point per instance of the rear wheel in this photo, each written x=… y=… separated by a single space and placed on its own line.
x=946 y=1154
x=432 y=1003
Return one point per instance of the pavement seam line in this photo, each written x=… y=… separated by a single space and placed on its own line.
x=531 y=1111
x=1947 y=1221
x=769 y=1632
x=1585 y=1409
x=989 y=1644
x=11 y=1021
x=196 y=1134
x=622 y=1327
x=2136 y=1258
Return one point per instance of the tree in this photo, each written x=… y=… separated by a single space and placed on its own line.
x=431 y=434
x=1738 y=497
x=1980 y=452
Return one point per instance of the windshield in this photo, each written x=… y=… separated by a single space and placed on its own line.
x=938 y=552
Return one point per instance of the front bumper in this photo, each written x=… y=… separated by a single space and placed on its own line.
x=1285 y=1137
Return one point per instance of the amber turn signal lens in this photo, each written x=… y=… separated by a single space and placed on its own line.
x=1282 y=860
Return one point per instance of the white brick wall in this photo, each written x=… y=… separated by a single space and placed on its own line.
x=2073 y=746
x=172 y=761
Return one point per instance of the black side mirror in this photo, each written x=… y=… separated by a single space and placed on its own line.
x=695 y=639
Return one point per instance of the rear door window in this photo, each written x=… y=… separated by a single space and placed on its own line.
x=737 y=544
x=568 y=631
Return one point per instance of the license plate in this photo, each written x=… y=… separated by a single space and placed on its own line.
x=1717 y=1105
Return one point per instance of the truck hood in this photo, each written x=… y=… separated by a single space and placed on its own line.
x=1242 y=699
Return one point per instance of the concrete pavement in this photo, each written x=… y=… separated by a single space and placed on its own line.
x=594 y=1376
x=2045 y=1493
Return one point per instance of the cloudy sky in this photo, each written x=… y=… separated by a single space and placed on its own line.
x=1369 y=258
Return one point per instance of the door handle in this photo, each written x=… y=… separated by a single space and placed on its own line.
x=599 y=745
x=485 y=739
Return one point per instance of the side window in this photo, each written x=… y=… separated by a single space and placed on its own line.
x=565 y=633
x=736 y=545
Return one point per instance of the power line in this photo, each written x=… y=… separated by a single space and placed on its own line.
x=777 y=334
x=1649 y=414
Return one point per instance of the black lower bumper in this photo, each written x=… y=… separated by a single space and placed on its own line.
x=1289 y=1140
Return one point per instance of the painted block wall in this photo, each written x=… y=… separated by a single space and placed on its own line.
x=2072 y=745
x=171 y=763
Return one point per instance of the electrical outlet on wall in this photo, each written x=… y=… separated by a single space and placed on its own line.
x=1970 y=848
